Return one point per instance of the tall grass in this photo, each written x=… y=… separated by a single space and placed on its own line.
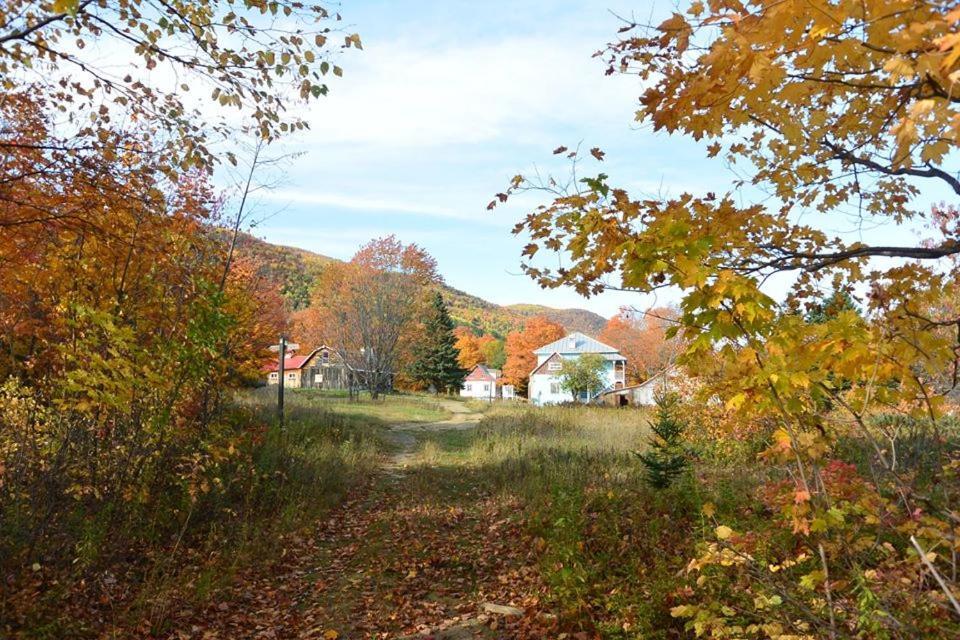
x=611 y=549
x=253 y=484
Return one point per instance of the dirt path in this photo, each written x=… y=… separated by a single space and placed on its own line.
x=404 y=439
x=422 y=552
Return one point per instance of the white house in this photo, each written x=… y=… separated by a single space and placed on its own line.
x=645 y=393
x=544 y=387
x=480 y=383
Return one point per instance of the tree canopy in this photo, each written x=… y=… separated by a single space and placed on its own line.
x=828 y=113
x=583 y=375
x=369 y=306
x=185 y=61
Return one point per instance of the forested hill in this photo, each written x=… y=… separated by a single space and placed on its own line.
x=297 y=269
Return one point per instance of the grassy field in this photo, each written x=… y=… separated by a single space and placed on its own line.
x=608 y=547
x=543 y=508
x=607 y=551
x=388 y=409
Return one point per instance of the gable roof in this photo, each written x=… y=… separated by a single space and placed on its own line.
x=481 y=373
x=290 y=363
x=575 y=342
x=544 y=363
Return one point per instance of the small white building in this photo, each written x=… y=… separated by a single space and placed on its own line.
x=544 y=387
x=481 y=383
x=645 y=393
x=662 y=383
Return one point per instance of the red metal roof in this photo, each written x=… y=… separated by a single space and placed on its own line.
x=289 y=363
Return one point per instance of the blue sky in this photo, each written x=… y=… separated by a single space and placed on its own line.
x=447 y=101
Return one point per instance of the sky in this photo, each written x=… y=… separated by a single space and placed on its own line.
x=445 y=103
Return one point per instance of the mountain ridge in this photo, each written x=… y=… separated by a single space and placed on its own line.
x=296 y=270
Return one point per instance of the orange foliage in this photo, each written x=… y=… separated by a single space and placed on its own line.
x=473 y=349
x=370 y=309
x=306 y=328
x=468 y=347
x=537 y=331
x=642 y=340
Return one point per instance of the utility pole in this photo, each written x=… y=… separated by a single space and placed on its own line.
x=281 y=350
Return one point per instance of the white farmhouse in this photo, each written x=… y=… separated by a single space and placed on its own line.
x=544 y=387
x=481 y=383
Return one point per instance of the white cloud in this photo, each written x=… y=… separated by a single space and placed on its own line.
x=391 y=203
x=398 y=94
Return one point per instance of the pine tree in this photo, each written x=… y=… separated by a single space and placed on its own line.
x=435 y=354
x=666 y=459
x=831 y=306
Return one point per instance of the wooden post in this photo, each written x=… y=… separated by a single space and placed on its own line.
x=281 y=350
x=283 y=356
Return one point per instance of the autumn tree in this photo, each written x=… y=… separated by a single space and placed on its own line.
x=435 y=356
x=641 y=336
x=370 y=305
x=125 y=339
x=256 y=59
x=828 y=107
x=519 y=348
x=126 y=320
x=494 y=355
x=468 y=348
x=477 y=349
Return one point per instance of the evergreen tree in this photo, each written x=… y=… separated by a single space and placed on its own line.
x=435 y=354
x=666 y=459
x=831 y=306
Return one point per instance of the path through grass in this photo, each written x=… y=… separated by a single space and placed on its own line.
x=539 y=510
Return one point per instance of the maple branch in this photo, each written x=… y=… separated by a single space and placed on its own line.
x=823 y=260
x=26 y=31
x=929 y=172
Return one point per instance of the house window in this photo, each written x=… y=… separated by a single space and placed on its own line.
x=292 y=375
x=273 y=376
x=556 y=365
x=468 y=387
x=554 y=388
x=486 y=387
x=324 y=356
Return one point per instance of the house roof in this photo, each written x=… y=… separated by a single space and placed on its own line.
x=290 y=363
x=482 y=373
x=575 y=343
x=663 y=374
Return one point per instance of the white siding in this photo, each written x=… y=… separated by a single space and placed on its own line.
x=484 y=389
x=545 y=388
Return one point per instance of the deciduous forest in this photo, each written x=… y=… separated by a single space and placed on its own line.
x=779 y=458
